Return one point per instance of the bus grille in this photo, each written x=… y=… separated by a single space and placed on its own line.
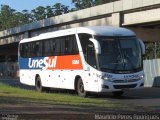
x=125 y=81
x=124 y=86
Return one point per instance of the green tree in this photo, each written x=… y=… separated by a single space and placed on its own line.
x=99 y=2
x=7 y=17
x=49 y=12
x=65 y=9
x=57 y=9
x=26 y=17
x=60 y=9
x=150 y=50
x=39 y=13
x=11 y=18
x=77 y=4
x=81 y=4
x=23 y=17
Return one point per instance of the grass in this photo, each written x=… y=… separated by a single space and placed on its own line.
x=14 y=95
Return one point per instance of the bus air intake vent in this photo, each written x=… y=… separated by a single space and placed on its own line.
x=125 y=86
x=125 y=81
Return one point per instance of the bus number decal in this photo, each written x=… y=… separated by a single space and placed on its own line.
x=75 y=62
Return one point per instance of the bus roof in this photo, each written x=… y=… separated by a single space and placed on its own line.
x=108 y=31
x=94 y=30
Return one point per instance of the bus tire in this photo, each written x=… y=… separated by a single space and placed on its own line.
x=38 y=84
x=117 y=93
x=80 y=88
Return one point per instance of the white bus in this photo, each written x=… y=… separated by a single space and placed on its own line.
x=84 y=59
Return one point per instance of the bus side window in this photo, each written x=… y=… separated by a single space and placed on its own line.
x=91 y=56
x=84 y=39
x=53 y=47
x=57 y=46
x=26 y=50
x=31 y=49
x=62 y=44
x=67 y=48
x=38 y=49
x=49 y=47
x=74 y=46
x=71 y=45
x=22 y=50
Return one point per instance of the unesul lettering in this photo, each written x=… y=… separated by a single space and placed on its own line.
x=42 y=63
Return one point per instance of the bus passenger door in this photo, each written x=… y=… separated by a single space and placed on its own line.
x=91 y=59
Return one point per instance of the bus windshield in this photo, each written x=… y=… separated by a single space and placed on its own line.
x=119 y=54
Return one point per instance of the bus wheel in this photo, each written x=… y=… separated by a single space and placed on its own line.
x=80 y=88
x=38 y=84
x=117 y=93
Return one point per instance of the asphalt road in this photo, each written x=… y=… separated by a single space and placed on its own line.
x=147 y=99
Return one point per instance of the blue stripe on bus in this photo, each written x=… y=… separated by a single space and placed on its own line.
x=31 y=63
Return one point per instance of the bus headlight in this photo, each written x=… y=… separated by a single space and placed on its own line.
x=141 y=76
x=107 y=78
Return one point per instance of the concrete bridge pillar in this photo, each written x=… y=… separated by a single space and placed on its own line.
x=116 y=19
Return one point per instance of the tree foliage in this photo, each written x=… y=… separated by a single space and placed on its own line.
x=11 y=18
x=152 y=50
x=82 y=4
x=7 y=17
x=38 y=13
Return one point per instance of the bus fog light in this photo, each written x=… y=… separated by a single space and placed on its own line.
x=105 y=86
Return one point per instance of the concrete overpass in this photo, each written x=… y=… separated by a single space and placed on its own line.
x=142 y=16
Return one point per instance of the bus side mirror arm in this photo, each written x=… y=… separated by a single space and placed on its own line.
x=142 y=47
x=96 y=45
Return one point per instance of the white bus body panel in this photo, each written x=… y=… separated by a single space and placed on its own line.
x=91 y=77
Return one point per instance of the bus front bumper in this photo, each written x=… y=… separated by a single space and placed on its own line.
x=107 y=86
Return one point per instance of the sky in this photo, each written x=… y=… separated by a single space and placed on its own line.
x=20 y=5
